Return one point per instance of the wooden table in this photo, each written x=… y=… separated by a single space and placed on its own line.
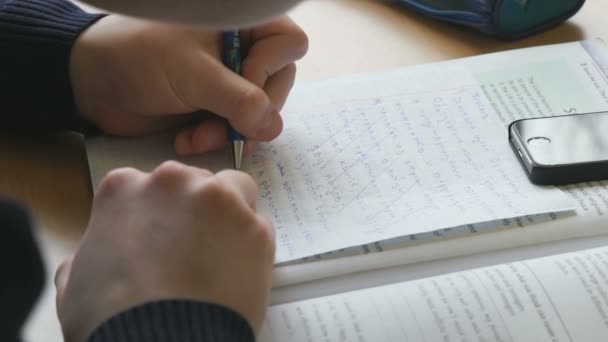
x=51 y=175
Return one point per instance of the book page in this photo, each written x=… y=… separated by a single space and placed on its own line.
x=558 y=298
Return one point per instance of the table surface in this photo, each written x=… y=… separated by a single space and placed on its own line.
x=51 y=175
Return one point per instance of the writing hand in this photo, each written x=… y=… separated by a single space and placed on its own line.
x=133 y=77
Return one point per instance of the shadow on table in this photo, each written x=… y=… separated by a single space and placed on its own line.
x=49 y=175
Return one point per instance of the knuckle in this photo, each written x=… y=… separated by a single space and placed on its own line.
x=214 y=190
x=169 y=173
x=170 y=166
x=116 y=180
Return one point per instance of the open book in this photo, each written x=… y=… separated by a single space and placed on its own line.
x=383 y=169
x=558 y=298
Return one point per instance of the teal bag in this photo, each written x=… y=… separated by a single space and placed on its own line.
x=510 y=19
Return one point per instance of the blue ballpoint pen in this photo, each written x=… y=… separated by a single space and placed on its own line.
x=232 y=59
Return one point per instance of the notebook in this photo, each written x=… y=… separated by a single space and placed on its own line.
x=383 y=169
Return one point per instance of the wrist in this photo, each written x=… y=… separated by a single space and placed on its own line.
x=87 y=70
x=86 y=21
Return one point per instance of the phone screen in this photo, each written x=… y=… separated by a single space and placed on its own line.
x=559 y=140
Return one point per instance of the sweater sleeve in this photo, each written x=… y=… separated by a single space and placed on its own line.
x=22 y=267
x=36 y=39
x=175 y=320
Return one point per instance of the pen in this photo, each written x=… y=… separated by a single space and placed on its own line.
x=232 y=59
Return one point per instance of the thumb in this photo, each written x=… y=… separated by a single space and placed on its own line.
x=62 y=276
x=211 y=86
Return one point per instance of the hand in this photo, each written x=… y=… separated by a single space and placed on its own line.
x=133 y=77
x=177 y=233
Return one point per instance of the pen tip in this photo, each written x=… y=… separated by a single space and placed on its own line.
x=237 y=150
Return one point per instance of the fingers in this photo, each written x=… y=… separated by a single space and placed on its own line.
x=121 y=180
x=273 y=46
x=250 y=102
x=121 y=124
x=210 y=86
x=210 y=135
x=279 y=85
x=172 y=174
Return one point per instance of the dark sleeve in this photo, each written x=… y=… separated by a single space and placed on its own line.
x=22 y=269
x=175 y=320
x=36 y=39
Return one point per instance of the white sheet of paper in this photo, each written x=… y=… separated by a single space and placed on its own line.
x=540 y=81
x=378 y=156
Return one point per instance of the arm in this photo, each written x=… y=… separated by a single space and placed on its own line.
x=22 y=270
x=65 y=69
x=161 y=320
x=36 y=39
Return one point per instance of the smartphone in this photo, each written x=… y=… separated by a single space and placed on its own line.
x=565 y=149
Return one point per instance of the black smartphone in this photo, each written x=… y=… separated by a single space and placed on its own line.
x=565 y=149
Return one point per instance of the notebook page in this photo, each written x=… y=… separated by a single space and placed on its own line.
x=558 y=298
x=378 y=156
x=552 y=80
